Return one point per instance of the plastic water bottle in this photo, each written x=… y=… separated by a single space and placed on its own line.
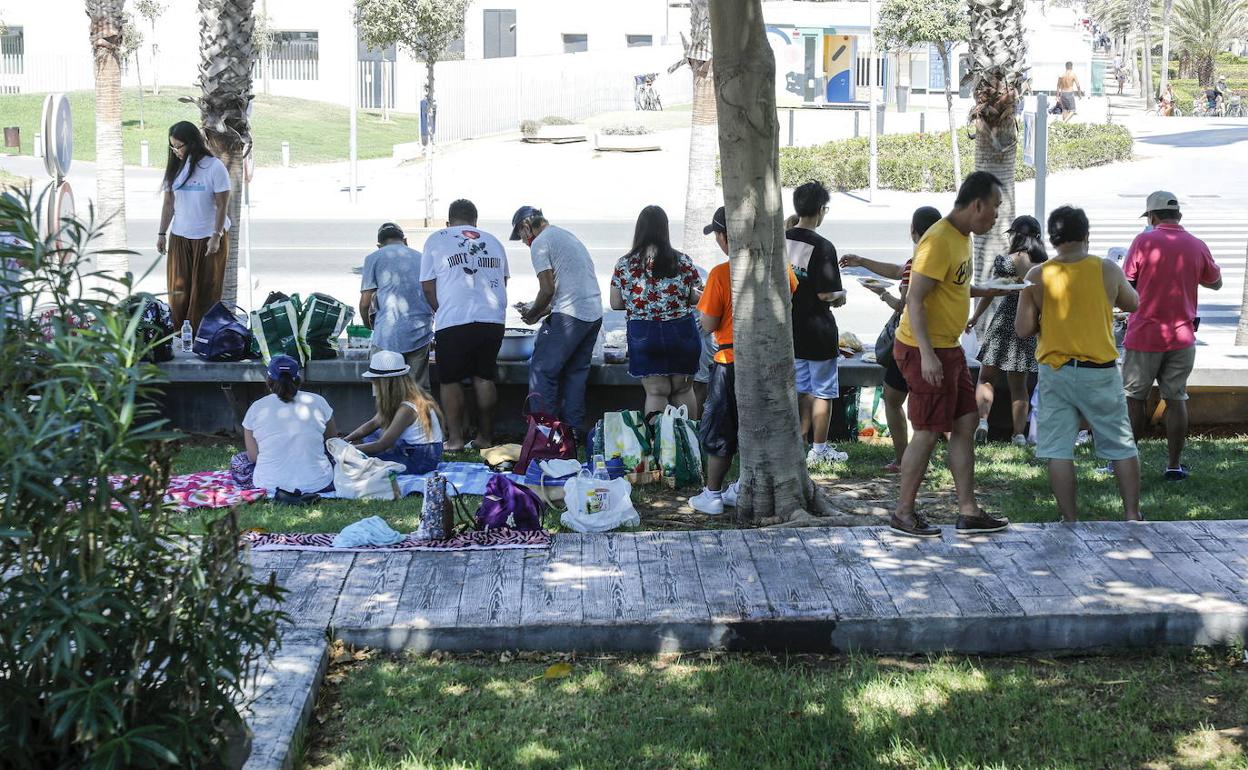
x=599 y=497
x=187 y=336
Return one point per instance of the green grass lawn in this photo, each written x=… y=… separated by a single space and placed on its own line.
x=11 y=180
x=1183 y=711
x=317 y=131
x=1009 y=479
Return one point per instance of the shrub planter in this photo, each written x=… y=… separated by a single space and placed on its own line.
x=626 y=142
x=559 y=134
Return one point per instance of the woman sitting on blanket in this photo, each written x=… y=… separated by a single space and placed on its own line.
x=407 y=428
x=284 y=434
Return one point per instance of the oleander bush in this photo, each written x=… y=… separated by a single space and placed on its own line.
x=125 y=642
x=923 y=162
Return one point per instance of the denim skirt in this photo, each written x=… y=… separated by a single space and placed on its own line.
x=664 y=348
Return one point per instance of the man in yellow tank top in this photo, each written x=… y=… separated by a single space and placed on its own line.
x=1070 y=306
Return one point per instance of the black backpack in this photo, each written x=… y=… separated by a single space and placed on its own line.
x=155 y=330
x=222 y=336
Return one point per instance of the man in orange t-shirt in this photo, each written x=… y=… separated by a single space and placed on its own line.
x=717 y=430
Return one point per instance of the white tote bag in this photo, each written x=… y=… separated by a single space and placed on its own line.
x=360 y=477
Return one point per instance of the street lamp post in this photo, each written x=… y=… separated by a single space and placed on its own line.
x=873 y=129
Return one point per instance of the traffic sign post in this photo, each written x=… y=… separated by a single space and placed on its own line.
x=1036 y=150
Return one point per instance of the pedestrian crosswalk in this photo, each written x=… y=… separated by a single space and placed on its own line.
x=1227 y=238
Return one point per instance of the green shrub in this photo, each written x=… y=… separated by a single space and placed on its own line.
x=924 y=162
x=529 y=127
x=124 y=641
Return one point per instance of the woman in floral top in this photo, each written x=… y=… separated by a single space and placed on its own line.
x=658 y=288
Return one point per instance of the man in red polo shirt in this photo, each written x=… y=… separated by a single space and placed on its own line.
x=1166 y=265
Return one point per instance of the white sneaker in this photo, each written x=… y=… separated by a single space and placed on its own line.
x=981 y=432
x=822 y=459
x=1084 y=437
x=1019 y=440
x=708 y=502
x=730 y=495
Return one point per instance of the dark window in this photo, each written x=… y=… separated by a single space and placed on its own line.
x=12 y=51
x=575 y=43
x=500 y=33
x=637 y=41
x=294 y=56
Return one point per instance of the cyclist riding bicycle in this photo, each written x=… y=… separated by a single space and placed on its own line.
x=1215 y=97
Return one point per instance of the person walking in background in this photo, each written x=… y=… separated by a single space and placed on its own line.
x=895 y=388
x=1070 y=306
x=1068 y=89
x=816 y=340
x=569 y=307
x=1003 y=350
x=717 y=430
x=194 y=226
x=407 y=427
x=658 y=288
x=284 y=435
x=464 y=274
x=929 y=354
x=1167 y=265
x=391 y=282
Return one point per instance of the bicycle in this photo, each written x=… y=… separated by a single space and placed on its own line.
x=1236 y=108
x=644 y=95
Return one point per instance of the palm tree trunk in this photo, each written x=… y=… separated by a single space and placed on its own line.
x=110 y=175
x=996 y=158
x=431 y=112
x=1145 y=36
x=701 y=191
x=1166 y=8
x=1241 y=333
x=774 y=481
x=953 y=129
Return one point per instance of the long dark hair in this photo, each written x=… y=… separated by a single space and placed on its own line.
x=653 y=232
x=188 y=134
x=285 y=387
x=1025 y=237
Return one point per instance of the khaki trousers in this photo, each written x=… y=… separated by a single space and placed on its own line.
x=195 y=277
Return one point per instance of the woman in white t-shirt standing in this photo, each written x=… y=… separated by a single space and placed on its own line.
x=285 y=434
x=193 y=224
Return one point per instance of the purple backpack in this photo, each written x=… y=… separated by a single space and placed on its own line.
x=504 y=499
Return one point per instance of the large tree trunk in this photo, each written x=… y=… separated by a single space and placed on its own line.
x=702 y=192
x=226 y=56
x=953 y=129
x=1204 y=70
x=431 y=114
x=774 y=481
x=1241 y=333
x=996 y=158
x=110 y=175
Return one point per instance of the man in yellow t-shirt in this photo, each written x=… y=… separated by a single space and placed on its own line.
x=929 y=354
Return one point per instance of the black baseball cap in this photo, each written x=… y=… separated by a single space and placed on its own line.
x=389 y=231
x=522 y=213
x=719 y=223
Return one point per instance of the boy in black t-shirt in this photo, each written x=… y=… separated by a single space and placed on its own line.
x=815 y=336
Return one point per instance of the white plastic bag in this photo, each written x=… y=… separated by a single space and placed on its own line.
x=577 y=517
x=970 y=345
x=360 y=477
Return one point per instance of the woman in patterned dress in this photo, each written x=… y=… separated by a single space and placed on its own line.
x=1002 y=350
x=658 y=288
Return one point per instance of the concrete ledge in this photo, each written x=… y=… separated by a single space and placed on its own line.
x=283 y=696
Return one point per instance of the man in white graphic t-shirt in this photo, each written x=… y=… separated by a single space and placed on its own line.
x=464 y=274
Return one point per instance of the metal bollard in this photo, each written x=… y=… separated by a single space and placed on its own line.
x=922 y=122
x=143 y=153
x=285 y=154
x=857 y=113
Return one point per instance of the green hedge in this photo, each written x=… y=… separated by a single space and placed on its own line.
x=924 y=163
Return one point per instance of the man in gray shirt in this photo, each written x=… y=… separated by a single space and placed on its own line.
x=569 y=299
x=391 y=282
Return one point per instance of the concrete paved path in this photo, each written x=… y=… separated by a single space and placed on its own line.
x=1035 y=587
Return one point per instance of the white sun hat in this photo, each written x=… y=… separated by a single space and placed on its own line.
x=387 y=363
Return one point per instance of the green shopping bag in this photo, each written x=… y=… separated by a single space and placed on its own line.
x=680 y=454
x=275 y=330
x=323 y=318
x=626 y=436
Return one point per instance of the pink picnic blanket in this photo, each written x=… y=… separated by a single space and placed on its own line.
x=490 y=539
x=205 y=489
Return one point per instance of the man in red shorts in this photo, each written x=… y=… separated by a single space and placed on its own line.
x=929 y=354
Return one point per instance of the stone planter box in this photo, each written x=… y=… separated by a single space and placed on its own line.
x=577 y=132
x=626 y=142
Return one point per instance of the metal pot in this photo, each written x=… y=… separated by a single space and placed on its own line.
x=517 y=345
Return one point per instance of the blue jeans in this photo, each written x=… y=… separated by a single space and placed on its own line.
x=559 y=368
x=415 y=458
